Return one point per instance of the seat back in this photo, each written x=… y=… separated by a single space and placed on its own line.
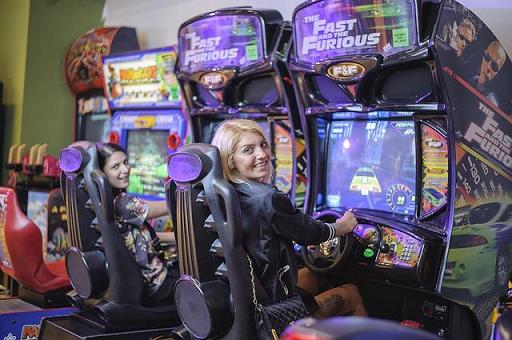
x=199 y=165
x=22 y=248
x=122 y=306
x=80 y=165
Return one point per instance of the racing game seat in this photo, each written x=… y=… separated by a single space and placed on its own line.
x=22 y=254
x=119 y=286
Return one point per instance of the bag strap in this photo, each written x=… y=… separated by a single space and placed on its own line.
x=254 y=299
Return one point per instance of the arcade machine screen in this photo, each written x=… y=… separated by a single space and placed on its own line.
x=371 y=165
x=147 y=156
x=96 y=127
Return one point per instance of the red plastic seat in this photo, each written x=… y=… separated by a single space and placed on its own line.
x=23 y=241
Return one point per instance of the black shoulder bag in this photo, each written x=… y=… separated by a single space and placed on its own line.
x=271 y=320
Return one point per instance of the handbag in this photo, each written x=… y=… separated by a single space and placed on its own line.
x=271 y=320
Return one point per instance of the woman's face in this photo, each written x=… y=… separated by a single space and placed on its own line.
x=252 y=157
x=117 y=170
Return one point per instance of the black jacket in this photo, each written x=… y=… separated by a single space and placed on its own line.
x=270 y=223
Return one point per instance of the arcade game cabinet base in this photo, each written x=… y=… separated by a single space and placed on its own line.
x=83 y=327
x=20 y=319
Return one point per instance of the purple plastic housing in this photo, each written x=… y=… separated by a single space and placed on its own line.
x=70 y=159
x=335 y=28
x=224 y=41
x=184 y=167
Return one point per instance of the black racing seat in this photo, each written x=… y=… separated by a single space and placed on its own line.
x=214 y=303
x=114 y=292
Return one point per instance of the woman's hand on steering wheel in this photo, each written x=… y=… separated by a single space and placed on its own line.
x=345 y=224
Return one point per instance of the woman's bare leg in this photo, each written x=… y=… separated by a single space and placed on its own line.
x=342 y=300
x=308 y=281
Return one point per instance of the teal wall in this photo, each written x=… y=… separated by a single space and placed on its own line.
x=35 y=36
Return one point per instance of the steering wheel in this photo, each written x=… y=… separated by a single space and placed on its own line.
x=328 y=255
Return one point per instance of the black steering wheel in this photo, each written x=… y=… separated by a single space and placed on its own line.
x=328 y=255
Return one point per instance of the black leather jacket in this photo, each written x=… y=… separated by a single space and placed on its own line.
x=270 y=223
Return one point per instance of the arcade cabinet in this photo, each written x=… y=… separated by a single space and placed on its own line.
x=144 y=100
x=232 y=64
x=406 y=132
x=84 y=75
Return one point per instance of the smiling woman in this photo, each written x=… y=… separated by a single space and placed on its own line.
x=271 y=223
x=131 y=214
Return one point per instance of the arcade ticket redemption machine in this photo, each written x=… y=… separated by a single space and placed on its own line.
x=232 y=65
x=409 y=126
x=144 y=99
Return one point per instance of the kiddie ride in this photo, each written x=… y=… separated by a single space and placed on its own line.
x=405 y=132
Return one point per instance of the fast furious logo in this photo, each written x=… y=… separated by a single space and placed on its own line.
x=202 y=50
x=332 y=35
x=490 y=138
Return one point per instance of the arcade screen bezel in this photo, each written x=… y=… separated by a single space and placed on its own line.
x=435 y=217
x=149 y=195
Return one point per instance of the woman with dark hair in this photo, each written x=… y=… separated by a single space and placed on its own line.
x=131 y=214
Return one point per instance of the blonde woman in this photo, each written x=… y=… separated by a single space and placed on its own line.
x=270 y=223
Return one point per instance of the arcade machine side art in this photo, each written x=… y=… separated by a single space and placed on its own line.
x=477 y=71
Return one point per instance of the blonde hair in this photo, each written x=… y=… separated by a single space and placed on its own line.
x=228 y=137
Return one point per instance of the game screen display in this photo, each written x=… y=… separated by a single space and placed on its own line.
x=147 y=156
x=142 y=79
x=371 y=165
x=335 y=28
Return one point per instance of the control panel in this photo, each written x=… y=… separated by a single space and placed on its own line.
x=389 y=247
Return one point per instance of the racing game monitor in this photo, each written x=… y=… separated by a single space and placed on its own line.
x=147 y=155
x=371 y=165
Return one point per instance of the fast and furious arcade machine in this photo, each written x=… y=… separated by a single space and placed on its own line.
x=401 y=132
x=144 y=99
x=231 y=65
